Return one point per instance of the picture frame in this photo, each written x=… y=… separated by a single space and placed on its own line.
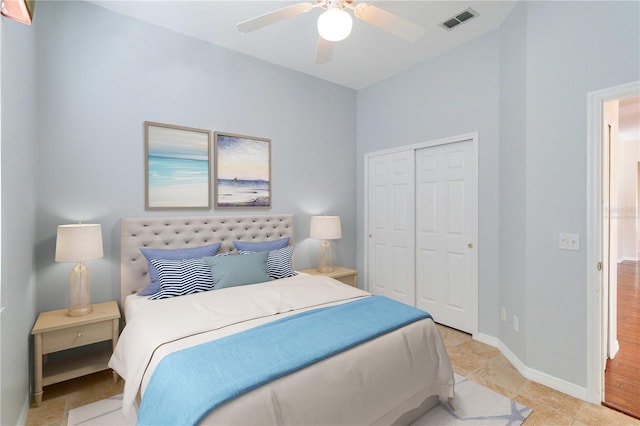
x=242 y=171
x=177 y=167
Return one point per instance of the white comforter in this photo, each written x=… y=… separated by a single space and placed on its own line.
x=375 y=382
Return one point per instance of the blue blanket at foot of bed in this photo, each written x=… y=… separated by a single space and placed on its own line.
x=188 y=384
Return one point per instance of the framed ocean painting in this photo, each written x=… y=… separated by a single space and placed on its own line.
x=242 y=171
x=177 y=167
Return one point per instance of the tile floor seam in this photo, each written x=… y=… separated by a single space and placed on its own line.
x=575 y=419
x=524 y=385
x=65 y=412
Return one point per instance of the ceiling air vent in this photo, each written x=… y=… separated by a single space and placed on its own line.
x=461 y=17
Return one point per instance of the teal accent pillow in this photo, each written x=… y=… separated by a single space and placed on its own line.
x=230 y=271
x=278 y=262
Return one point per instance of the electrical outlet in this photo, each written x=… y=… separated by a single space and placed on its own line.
x=503 y=314
x=516 y=324
x=569 y=241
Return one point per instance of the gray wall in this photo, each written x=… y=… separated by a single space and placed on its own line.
x=513 y=157
x=101 y=75
x=523 y=87
x=18 y=217
x=572 y=48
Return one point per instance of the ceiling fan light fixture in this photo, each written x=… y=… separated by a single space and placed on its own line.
x=335 y=24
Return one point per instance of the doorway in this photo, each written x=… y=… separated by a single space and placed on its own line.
x=603 y=221
x=621 y=381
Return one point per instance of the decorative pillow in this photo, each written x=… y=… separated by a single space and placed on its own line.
x=230 y=271
x=175 y=254
x=181 y=277
x=262 y=245
x=279 y=263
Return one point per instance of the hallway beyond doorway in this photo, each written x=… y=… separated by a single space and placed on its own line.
x=622 y=375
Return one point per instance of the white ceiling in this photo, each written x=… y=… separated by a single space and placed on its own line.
x=365 y=57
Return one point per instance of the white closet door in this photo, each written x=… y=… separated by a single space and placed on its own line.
x=445 y=228
x=391 y=220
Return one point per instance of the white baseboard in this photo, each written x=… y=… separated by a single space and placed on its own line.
x=532 y=374
x=630 y=259
x=25 y=410
x=614 y=349
x=485 y=338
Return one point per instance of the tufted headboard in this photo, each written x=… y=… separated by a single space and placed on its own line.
x=189 y=231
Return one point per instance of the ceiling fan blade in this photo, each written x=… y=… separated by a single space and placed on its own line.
x=273 y=17
x=324 y=51
x=388 y=21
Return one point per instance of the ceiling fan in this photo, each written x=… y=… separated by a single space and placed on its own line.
x=334 y=24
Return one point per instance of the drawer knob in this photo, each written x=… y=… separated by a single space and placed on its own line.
x=79 y=333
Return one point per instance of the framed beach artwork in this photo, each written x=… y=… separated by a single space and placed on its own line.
x=177 y=167
x=242 y=171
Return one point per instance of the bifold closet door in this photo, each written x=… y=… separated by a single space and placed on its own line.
x=391 y=220
x=445 y=230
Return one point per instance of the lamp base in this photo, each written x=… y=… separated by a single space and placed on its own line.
x=325 y=263
x=79 y=291
x=80 y=311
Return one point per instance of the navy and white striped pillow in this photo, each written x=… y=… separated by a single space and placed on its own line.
x=279 y=263
x=181 y=277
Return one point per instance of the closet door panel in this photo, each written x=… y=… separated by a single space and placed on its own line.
x=445 y=178
x=391 y=218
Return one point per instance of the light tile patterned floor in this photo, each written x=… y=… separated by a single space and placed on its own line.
x=477 y=361
x=487 y=366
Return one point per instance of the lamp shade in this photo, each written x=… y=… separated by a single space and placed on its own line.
x=325 y=227
x=335 y=24
x=78 y=242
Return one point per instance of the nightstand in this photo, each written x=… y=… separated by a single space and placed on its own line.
x=54 y=331
x=347 y=276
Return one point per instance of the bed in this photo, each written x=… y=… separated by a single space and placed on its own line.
x=392 y=377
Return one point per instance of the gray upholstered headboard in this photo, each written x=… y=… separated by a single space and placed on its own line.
x=189 y=231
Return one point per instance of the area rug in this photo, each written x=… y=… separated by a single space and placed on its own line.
x=474 y=404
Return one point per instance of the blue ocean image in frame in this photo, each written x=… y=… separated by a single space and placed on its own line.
x=243 y=171
x=178 y=167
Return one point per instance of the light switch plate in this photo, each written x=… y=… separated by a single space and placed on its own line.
x=569 y=241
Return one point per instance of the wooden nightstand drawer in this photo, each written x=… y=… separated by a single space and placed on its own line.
x=76 y=336
x=346 y=276
x=348 y=280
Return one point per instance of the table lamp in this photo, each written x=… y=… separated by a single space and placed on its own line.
x=325 y=228
x=78 y=243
